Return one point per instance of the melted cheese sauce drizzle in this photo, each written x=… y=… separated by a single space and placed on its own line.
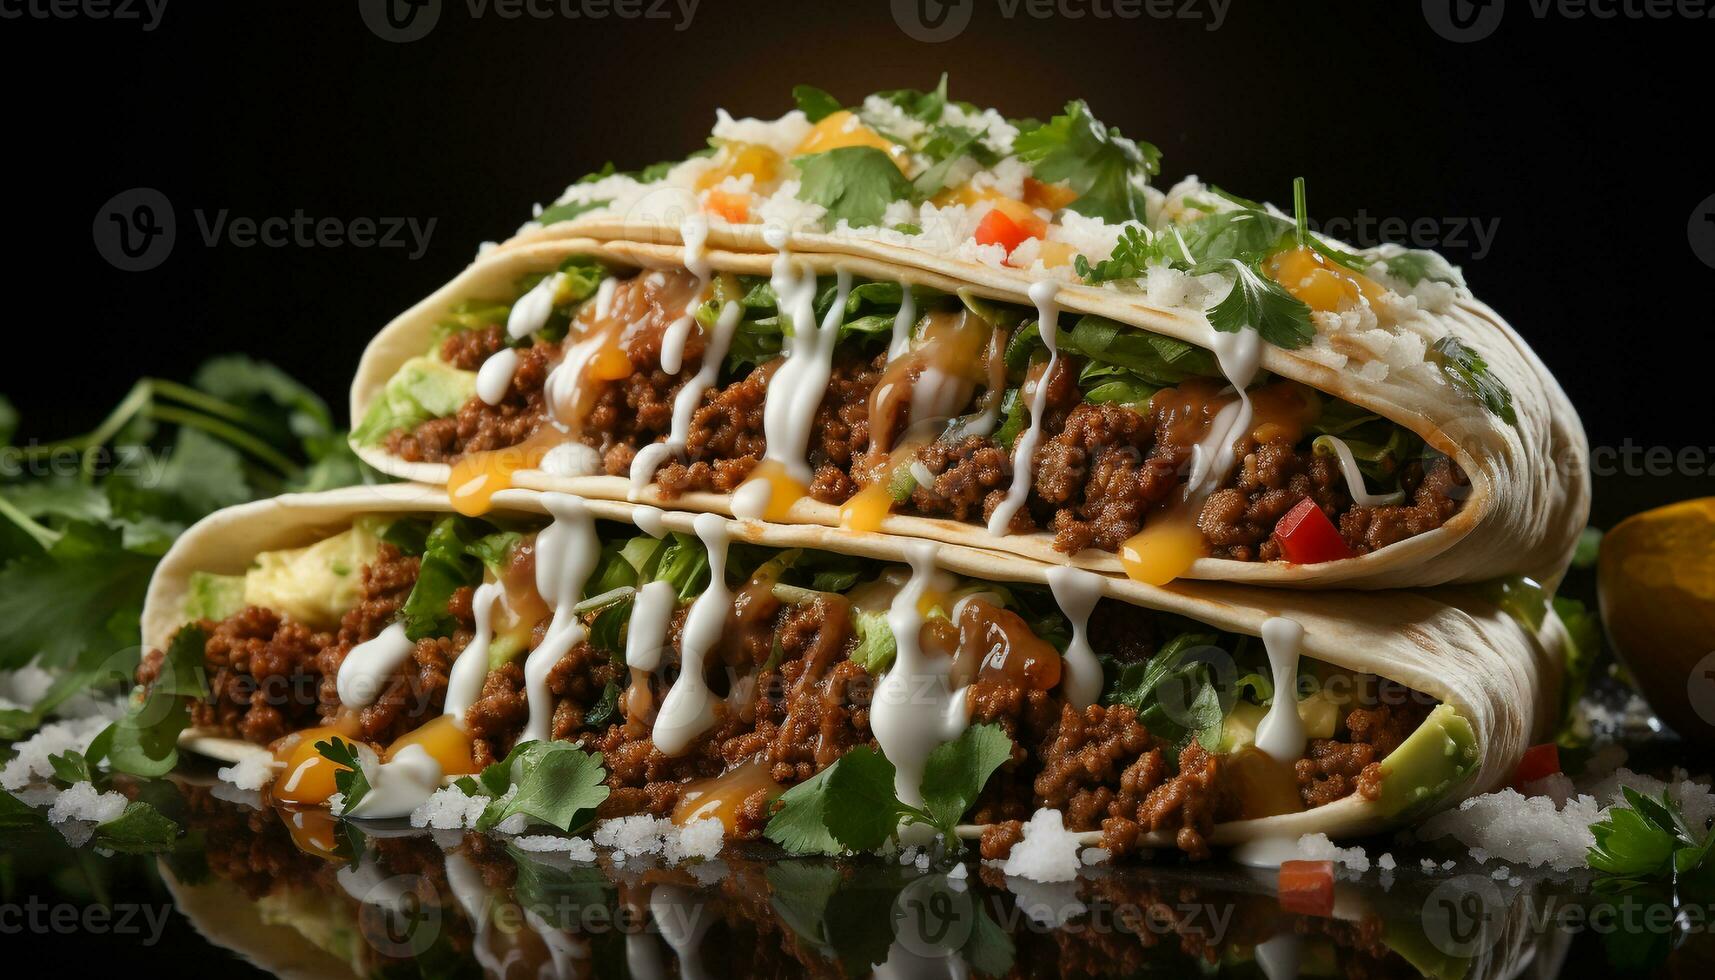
x=1281 y=732
x=366 y=668
x=688 y=710
x=1077 y=591
x=651 y=457
x=915 y=709
x=1355 y=486
x=1024 y=452
x=795 y=390
x=566 y=555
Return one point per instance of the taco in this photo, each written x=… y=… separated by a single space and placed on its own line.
x=775 y=677
x=968 y=405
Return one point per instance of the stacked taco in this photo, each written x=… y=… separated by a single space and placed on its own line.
x=902 y=473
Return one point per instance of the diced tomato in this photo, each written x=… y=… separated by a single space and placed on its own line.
x=998 y=229
x=1538 y=761
x=1307 y=536
x=1307 y=887
x=735 y=208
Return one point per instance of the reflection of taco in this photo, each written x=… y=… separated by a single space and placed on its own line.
x=908 y=402
x=1148 y=714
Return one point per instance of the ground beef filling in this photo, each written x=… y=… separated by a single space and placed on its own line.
x=1335 y=769
x=1099 y=470
x=269 y=677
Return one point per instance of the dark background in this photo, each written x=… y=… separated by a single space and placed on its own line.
x=1580 y=140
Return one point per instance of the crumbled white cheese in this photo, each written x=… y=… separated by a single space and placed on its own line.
x=780 y=135
x=82 y=801
x=57 y=738
x=1317 y=847
x=449 y=808
x=251 y=772
x=1048 y=851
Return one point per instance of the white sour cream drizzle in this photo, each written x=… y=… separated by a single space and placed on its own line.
x=1024 y=450
x=532 y=310
x=903 y=321
x=1278 y=956
x=1281 y=731
x=914 y=709
x=694 y=231
x=366 y=668
x=650 y=520
x=651 y=617
x=465 y=882
x=566 y=555
x=1240 y=355
x=1077 y=592
x=688 y=710
x=799 y=384
x=495 y=376
x=651 y=457
x=397 y=786
x=1361 y=494
x=464 y=681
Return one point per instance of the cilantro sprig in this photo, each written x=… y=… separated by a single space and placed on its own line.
x=852 y=804
x=1106 y=169
x=1647 y=839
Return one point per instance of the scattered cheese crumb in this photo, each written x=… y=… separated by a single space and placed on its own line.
x=81 y=801
x=31 y=759
x=1048 y=851
x=449 y=808
x=1317 y=847
x=1095 y=855
x=1386 y=862
x=252 y=772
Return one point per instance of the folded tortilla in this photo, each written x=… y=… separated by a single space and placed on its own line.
x=1498 y=681
x=1529 y=488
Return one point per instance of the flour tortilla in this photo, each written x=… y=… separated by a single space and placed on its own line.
x=1451 y=644
x=1529 y=495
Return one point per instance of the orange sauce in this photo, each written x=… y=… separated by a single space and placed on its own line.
x=842 y=129
x=739 y=159
x=721 y=797
x=477 y=477
x=1283 y=409
x=308 y=778
x=1164 y=550
x=524 y=607
x=994 y=644
x=784 y=489
x=1322 y=285
x=445 y=740
x=639 y=703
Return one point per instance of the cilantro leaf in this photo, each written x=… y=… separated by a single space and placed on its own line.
x=555 y=783
x=351 y=780
x=140 y=829
x=76 y=604
x=817 y=104
x=1637 y=840
x=1106 y=169
x=797 y=823
x=145 y=741
x=859 y=808
x=1135 y=251
x=956 y=771
x=1262 y=304
x=854 y=183
x=1466 y=370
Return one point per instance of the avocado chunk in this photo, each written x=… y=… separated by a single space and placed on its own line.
x=1429 y=764
x=212 y=596
x=424 y=388
x=315 y=585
